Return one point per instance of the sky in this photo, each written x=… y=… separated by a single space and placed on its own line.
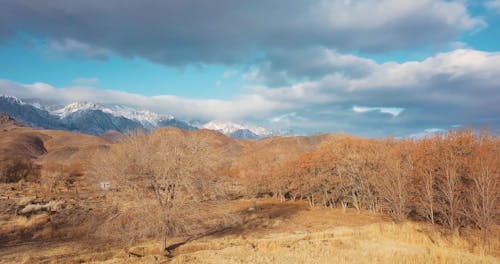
x=373 y=68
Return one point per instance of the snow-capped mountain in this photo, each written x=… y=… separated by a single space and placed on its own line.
x=85 y=117
x=28 y=114
x=239 y=130
x=147 y=119
x=76 y=107
x=97 y=119
x=226 y=127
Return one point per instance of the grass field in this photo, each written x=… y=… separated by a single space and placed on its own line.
x=274 y=232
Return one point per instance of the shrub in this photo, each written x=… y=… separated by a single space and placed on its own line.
x=14 y=170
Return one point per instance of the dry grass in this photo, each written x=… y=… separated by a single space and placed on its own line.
x=272 y=232
x=372 y=243
x=74 y=222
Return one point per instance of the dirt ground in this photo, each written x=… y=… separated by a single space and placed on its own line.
x=275 y=232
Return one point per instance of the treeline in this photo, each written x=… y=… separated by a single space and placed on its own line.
x=174 y=180
x=450 y=179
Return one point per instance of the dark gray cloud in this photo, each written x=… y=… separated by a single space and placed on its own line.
x=284 y=67
x=234 y=31
x=301 y=49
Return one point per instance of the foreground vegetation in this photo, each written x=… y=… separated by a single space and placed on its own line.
x=434 y=199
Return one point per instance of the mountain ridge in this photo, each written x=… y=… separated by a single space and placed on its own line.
x=96 y=119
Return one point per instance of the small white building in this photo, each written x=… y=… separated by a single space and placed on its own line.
x=105 y=185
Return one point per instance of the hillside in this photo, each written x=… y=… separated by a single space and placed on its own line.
x=199 y=196
x=278 y=233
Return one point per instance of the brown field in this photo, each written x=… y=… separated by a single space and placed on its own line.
x=276 y=232
x=206 y=198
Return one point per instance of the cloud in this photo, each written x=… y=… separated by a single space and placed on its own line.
x=429 y=132
x=287 y=119
x=493 y=5
x=456 y=87
x=233 y=32
x=73 y=48
x=236 y=109
x=285 y=67
x=393 y=111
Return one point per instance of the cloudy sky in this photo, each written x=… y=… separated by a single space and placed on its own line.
x=368 y=67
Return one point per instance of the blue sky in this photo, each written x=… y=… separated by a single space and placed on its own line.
x=308 y=66
x=25 y=59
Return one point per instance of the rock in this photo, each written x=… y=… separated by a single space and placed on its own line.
x=55 y=206
x=26 y=200
x=137 y=252
x=52 y=206
x=31 y=208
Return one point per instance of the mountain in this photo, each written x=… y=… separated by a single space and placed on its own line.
x=237 y=130
x=244 y=134
x=97 y=119
x=7 y=121
x=85 y=117
x=147 y=119
x=97 y=122
x=29 y=114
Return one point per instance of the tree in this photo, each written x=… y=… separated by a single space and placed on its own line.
x=485 y=188
x=167 y=172
x=392 y=181
x=453 y=152
x=425 y=178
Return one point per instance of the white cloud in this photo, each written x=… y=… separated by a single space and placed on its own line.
x=287 y=118
x=73 y=48
x=393 y=111
x=493 y=5
x=429 y=132
x=461 y=86
x=457 y=87
x=236 y=109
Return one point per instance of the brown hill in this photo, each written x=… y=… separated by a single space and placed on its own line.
x=7 y=122
x=235 y=158
x=206 y=190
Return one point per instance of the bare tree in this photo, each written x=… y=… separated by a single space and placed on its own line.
x=168 y=168
x=425 y=178
x=392 y=181
x=485 y=174
x=454 y=149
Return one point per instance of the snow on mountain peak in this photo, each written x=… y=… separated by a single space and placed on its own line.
x=58 y=117
x=227 y=128
x=75 y=107
x=12 y=98
x=147 y=118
